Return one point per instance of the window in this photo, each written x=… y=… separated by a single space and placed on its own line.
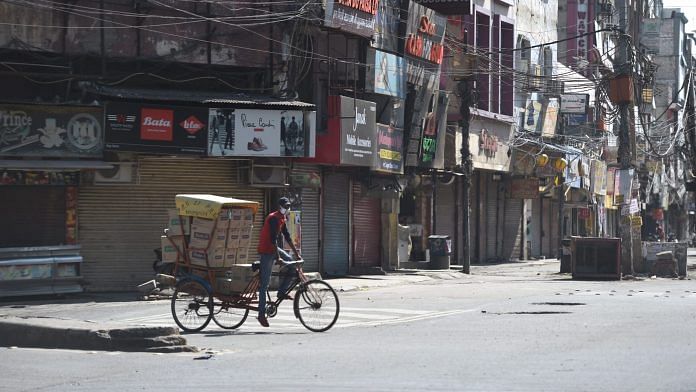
x=494 y=34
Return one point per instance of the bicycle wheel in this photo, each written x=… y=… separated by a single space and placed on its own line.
x=191 y=306
x=228 y=317
x=316 y=305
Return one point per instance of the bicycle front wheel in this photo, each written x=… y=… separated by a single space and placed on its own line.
x=192 y=306
x=316 y=305
x=229 y=317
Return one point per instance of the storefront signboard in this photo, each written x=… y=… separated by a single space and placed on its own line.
x=524 y=188
x=51 y=131
x=356 y=17
x=574 y=103
x=155 y=128
x=425 y=31
x=54 y=178
x=432 y=152
x=258 y=132
x=358 y=131
x=389 y=157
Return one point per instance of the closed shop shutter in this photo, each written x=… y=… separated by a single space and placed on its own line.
x=121 y=224
x=512 y=238
x=367 y=228
x=446 y=212
x=335 y=226
x=310 y=220
x=491 y=223
x=32 y=216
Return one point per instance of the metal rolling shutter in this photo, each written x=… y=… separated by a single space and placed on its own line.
x=335 y=226
x=32 y=216
x=512 y=238
x=367 y=229
x=310 y=221
x=121 y=224
x=491 y=223
x=445 y=208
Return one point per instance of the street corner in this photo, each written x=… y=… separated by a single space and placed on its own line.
x=47 y=332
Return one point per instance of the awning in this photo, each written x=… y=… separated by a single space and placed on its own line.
x=200 y=97
x=20 y=164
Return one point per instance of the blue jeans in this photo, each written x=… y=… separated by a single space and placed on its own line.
x=267 y=260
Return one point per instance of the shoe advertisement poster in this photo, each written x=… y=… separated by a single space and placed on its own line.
x=256 y=132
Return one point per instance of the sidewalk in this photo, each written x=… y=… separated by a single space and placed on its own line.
x=64 y=322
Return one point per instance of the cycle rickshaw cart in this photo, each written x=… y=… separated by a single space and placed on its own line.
x=208 y=290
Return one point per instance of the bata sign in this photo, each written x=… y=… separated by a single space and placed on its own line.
x=424 y=34
x=155 y=128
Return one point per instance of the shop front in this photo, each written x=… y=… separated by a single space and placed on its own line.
x=161 y=150
x=44 y=153
x=496 y=216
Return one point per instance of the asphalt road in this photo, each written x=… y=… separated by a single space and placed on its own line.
x=509 y=330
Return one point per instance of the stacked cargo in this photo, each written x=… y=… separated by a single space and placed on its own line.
x=212 y=243
x=178 y=229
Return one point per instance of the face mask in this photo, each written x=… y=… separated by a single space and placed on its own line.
x=284 y=210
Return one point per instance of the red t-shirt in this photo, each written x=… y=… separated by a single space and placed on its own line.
x=272 y=227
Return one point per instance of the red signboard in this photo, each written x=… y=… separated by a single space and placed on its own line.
x=156 y=124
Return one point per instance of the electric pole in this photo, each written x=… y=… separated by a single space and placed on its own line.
x=624 y=69
x=465 y=94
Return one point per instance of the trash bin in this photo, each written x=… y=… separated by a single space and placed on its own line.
x=566 y=256
x=440 y=247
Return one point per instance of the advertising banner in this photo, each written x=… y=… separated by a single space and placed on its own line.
x=550 y=118
x=532 y=116
x=358 y=131
x=356 y=17
x=389 y=157
x=155 y=128
x=598 y=177
x=51 y=131
x=388 y=20
x=387 y=76
x=257 y=132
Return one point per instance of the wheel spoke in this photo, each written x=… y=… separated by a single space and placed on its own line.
x=191 y=306
x=317 y=306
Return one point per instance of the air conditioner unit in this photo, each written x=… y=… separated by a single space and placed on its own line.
x=268 y=176
x=122 y=172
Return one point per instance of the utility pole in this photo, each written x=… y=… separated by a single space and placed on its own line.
x=465 y=94
x=624 y=69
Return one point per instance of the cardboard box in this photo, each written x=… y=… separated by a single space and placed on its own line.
x=236 y=217
x=200 y=239
x=242 y=256
x=216 y=258
x=230 y=256
x=232 y=238
x=169 y=253
x=244 y=240
x=174 y=225
x=198 y=257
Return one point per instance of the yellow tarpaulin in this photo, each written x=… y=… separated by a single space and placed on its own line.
x=209 y=206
